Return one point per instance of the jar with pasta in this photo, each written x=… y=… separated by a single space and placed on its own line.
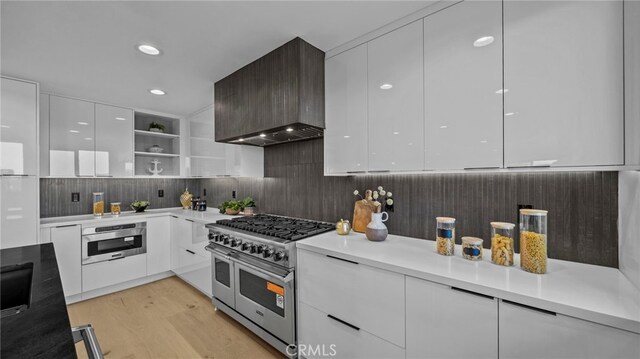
x=445 y=235
x=533 y=240
x=98 y=204
x=502 y=243
x=472 y=248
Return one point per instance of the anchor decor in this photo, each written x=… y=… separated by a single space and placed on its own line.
x=155 y=171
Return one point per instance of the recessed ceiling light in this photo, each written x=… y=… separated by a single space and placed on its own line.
x=241 y=140
x=501 y=91
x=121 y=119
x=483 y=41
x=5 y=126
x=74 y=131
x=157 y=92
x=346 y=136
x=88 y=138
x=289 y=129
x=483 y=141
x=396 y=133
x=386 y=86
x=443 y=127
x=83 y=123
x=149 y=50
x=263 y=135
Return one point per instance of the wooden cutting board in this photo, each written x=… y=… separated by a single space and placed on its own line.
x=362 y=211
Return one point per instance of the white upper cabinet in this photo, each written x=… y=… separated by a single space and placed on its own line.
x=463 y=72
x=345 y=139
x=18 y=123
x=395 y=93
x=44 y=135
x=114 y=141
x=208 y=157
x=563 y=88
x=71 y=137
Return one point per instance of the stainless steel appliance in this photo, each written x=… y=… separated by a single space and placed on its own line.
x=113 y=242
x=253 y=261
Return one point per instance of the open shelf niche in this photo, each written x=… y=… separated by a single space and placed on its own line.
x=169 y=141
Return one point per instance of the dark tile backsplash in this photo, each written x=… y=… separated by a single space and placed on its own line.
x=582 y=206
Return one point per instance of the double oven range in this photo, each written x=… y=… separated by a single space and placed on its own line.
x=253 y=263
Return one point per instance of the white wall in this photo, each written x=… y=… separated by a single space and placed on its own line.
x=629 y=225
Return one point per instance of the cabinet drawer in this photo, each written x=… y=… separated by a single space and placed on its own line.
x=369 y=298
x=320 y=333
x=103 y=274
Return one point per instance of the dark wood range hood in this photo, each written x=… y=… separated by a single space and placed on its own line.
x=276 y=99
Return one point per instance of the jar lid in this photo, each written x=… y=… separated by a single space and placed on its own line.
x=95 y=193
x=115 y=202
x=445 y=220
x=502 y=225
x=472 y=240
x=534 y=212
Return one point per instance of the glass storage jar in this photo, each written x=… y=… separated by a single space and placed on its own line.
x=502 y=243
x=446 y=235
x=533 y=240
x=472 y=248
x=98 y=204
x=115 y=208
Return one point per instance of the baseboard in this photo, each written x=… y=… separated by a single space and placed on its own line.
x=117 y=287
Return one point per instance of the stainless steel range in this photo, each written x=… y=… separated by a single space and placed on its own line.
x=253 y=260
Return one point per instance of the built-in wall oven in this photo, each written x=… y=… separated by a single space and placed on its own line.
x=113 y=242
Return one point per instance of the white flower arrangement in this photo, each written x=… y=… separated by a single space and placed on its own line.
x=380 y=200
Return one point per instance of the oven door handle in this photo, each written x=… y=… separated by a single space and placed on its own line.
x=285 y=279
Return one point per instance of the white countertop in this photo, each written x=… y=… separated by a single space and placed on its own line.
x=598 y=294
x=208 y=216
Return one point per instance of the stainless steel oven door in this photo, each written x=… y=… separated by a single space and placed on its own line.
x=265 y=295
x=222 y=276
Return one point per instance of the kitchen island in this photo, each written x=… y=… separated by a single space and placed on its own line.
x=43 y=330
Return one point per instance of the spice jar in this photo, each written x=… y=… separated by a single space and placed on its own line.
x=115 y=208
x=446 y=235
x=502 y=243
x=533 y=240
x=472 y=248
x=98 y=204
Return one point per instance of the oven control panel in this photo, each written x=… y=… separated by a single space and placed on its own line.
x=255 y=248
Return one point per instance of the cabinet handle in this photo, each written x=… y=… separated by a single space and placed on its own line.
x=542 y=166
x=343 y=322
x=356 y=172
x=529 y=307
x=192 y=252
x=481 y=168
x=14 y=175
x=472 y=293
x=380 y=171
x=67 y=225
x=115 y=259
x=341 y=259
x=174 y=216
x=188 y=220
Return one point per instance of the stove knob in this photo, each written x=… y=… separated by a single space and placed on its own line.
x=254 y=248
x=246 y=246
x=267 y=253
x=212 y=236
x=236 y=242
x=226 y=240
x=260 y=249
x=220 y=237
x=279 y=256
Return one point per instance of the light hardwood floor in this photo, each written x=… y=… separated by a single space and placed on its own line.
x=165 y=319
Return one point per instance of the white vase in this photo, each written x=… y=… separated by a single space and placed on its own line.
x=376 y=230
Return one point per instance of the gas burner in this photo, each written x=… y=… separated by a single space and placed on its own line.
x=275 y=227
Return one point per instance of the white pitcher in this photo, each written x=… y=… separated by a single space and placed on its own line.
x=376 y=229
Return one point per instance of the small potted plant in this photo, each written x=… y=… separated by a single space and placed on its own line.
x=230 y=207
x=248 y=206
x=156 y=127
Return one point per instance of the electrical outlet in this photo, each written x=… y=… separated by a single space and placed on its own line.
x=204 y=192
x=75 y=196
x=160 y=193
x=233 y=194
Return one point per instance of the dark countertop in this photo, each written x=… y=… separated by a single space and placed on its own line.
x=43 y=330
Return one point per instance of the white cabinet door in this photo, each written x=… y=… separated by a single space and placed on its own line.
x=463 y=71
x=632 y=82
x=44 y=135
x=18 y=123
x=529 y=333
x=245 y=161
x=208 y=157
x=446 y=323
x=114 y=141
x=71 y=141
x=181 y=237
x=19 y=211
x=158 y=245
x=345 y=136
x=563 y=94
x=369 y=298
x=396 y=116
x=104 y=274
x=321 y=336
x=67 y=243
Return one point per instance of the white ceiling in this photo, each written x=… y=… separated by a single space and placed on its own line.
x=86 y=49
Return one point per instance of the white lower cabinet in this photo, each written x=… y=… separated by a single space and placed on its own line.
x=104 y=274
x=321 y=335
x=189 y=260
x=531 y=333
x=67 y=244
x=19 y=211
x=368 y=298
x=443 y=322
x=158 y=245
